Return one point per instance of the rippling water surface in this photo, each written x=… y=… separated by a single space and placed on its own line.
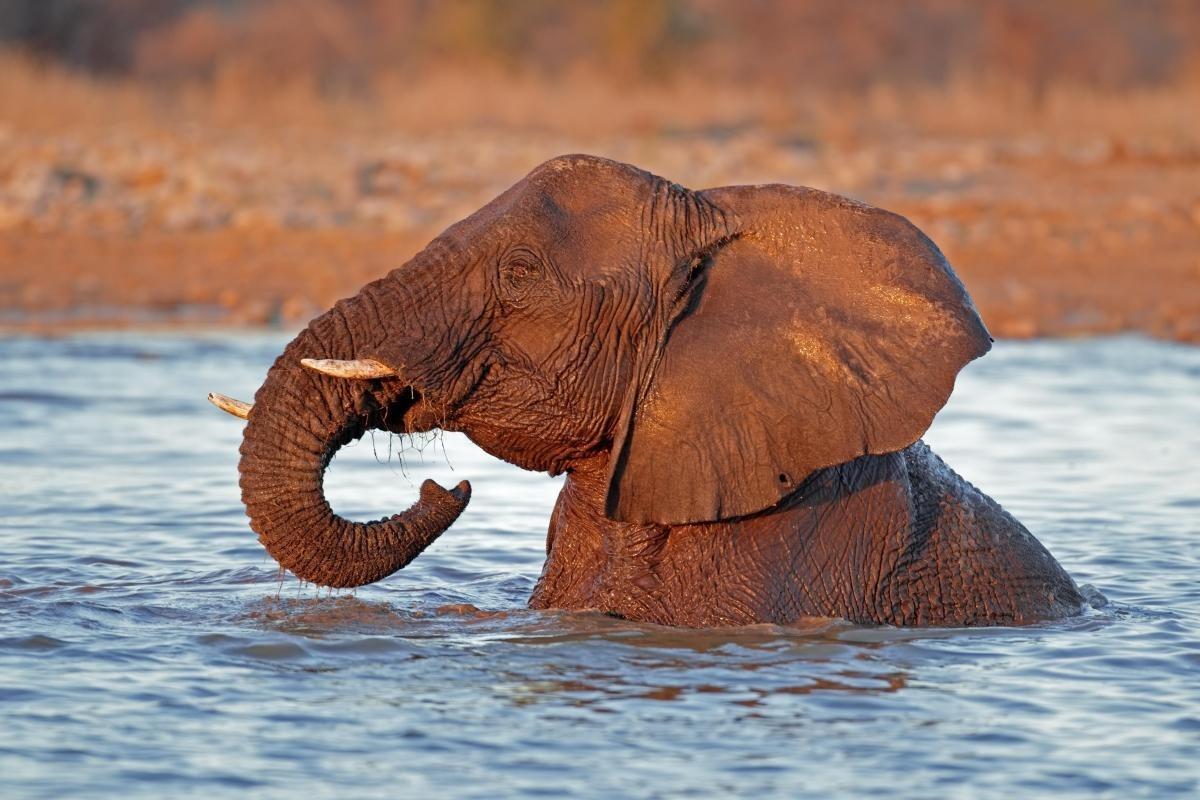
x=149 y=647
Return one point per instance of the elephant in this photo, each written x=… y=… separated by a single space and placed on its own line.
x=734 y=381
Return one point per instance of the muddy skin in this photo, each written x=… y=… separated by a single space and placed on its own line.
x=735 y=380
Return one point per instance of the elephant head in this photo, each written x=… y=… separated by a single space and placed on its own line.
x=716 y=346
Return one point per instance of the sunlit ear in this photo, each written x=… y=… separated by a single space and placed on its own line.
x=825 y=330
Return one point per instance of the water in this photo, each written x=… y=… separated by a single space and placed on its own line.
x=148 y=646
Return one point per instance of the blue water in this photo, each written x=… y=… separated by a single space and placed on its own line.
x=150 y=648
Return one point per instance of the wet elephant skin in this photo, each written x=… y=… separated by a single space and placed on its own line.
x=735 y=382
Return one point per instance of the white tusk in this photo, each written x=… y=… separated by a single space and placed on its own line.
x=363 y=368
x=228 y=404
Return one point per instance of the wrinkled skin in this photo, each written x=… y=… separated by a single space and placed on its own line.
x=735 y=382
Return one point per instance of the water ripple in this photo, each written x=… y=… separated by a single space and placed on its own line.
x=148 y=646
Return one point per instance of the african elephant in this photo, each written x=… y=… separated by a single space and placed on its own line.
x=735 y=382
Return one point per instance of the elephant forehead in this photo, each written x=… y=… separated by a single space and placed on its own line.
x=583 y=186
x=529 y=213
x=583 y=168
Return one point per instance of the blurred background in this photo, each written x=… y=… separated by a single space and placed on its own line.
x=248 y=162
x=236 y=166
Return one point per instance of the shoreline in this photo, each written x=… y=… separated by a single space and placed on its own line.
x=1025 y=287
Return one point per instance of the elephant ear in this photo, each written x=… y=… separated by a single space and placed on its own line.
x=819 y=331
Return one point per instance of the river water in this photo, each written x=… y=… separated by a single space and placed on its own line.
x=149 y=647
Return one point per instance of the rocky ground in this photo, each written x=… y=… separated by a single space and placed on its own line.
x=113 y=220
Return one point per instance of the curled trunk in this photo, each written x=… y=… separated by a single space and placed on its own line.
x=298 y=422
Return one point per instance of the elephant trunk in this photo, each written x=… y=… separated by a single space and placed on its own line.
x=299 y=420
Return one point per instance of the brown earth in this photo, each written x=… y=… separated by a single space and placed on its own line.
x=123 y=206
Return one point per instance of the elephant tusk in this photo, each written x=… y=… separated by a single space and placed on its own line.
x=229 y=405
x=363 y=368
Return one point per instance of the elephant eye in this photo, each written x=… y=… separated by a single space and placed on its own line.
x=520 y=271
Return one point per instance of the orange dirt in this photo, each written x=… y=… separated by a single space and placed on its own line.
x=120 y=206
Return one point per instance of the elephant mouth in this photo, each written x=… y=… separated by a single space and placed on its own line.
x=403 y=410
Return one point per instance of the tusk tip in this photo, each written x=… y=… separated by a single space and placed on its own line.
x=230 y=405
